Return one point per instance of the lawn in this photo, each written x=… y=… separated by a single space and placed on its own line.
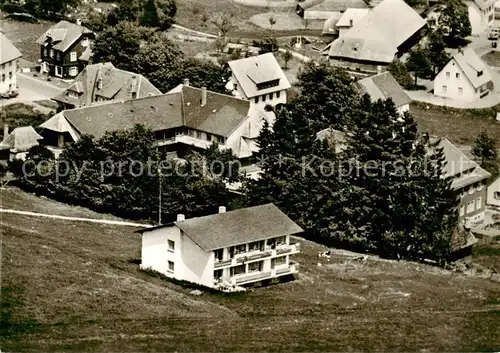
x=74 y=286
x=24 y=35
x=460 y=126
x=492 y=58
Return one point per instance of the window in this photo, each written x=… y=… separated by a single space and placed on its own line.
x=58 y=55
x=191 y=132
x=255 y=246
x=235 y=86
x=85 y=42
x=239 y=249
x=281 y=240
x=255 y=266
x=445 y=89
x=470 y=206
x=171 y=245
x=270 y=95
x=10 y=63
x=460 y=90
x=479 y=203
x=73 y=71
x=73 y=56
x=264 y=98
x=257 y=99
x=46 y=51
x=278 y=261
x=496 y=195
x=217 y=274
x=237 y=270
x=198 y=134
x=170 y=266
x=221 y=140
x=10 y=75
x=209 y=137
x=447 y=75
x=462 y=210
x=3 y=77
x=51 y=53
x=59 y=71
x=218 y=254
x=278 y=94
x=457 y=75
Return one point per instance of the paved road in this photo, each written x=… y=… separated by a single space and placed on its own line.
x=102 y=221
x=41 y=88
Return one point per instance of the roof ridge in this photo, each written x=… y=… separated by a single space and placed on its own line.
x=218 y=93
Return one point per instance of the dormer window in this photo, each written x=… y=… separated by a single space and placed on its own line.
x=73 y=94
x=480 y=73
x=268 y=84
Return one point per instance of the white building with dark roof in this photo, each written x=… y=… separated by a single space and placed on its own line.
x=258 y=79
x=9 y=55
x=223 y=250
x=493 y=198
x=465 y=77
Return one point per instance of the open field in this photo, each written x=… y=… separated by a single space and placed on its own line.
x=23 y=35
x=460 y=126
x=73 y=286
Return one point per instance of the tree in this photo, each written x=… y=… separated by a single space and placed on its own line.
x=485 y=151
x=224 y=24
x=401 y=74
x=266 y=45
x=149 y=17
x=287 y=56
x=435 y=51
x=118 y=45
x=49 y=8
x=418 y=62
x=329 y=93
x=166 y=13
x=454 y=21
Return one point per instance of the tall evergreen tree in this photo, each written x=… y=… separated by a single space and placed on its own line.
x=484 y=150
x=149 y=17
x=454 y=21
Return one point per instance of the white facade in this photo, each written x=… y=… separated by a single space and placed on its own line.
x=493 y=197
x=451 y=82
x=169 y=251
x=481 y=17
x=271 y=97
x=8 y=79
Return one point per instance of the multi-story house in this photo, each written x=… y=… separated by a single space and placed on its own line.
x=223 y=250
x=377 y=38
x=465 y=77
x=481 y=15
x=9 y=55
x=104 y=82
x=468 y=180
x=258 y=79
x=184 y=119
x=384 y=86
x=65 y=49
x=493 y=198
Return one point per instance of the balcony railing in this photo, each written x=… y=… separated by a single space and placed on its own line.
x=222 y=263
x=250 y=257
x=258 y=276
x=244 y=257
x=251 y=277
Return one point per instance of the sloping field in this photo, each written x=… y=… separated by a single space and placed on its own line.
x=74 y=286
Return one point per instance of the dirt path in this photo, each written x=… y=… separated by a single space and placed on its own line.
x=102 y=221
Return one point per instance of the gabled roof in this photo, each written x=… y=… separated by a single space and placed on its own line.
x=241 y=226
x=8 y=52
x=21 y=139
x=378 y=35
x=220 y=115
x=258 y=69
x=352 y=14
x=333 y=5
x=330 y=25
x=384 y=86
x=116 y=84
x=463 y=170
x=471 y=64
x=64 y=34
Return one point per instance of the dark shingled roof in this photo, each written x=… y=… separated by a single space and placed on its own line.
x=237 y=227
x=64 y=34
x=384 y=86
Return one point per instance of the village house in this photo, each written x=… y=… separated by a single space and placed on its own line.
x=347 y=20
x=493 y=198
x=465 y=77
x=387 y=32
x=16 y=144
x=104 y=82
x=481 y=15
x=223 y=250
x=258 y=79
x=468 y=180
x=9 y=55
x=65 y=49
x=384 y=86
x=185 y=118
x=324 y=9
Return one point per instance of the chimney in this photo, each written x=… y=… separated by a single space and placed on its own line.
x=5 y=130
x=186 y=82
x=351 y=22
x=78 y=22
x=222 y=209
x=203 y=96
x=181 y=217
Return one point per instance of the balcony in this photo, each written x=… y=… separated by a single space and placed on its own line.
x=287 y=249
x=259 y=276
x=246 y=257
x=224 y=263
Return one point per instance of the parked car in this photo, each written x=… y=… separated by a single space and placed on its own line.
x=9 y=94
x=494 y=34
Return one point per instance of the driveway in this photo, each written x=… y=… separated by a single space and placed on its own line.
x=34 y=88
